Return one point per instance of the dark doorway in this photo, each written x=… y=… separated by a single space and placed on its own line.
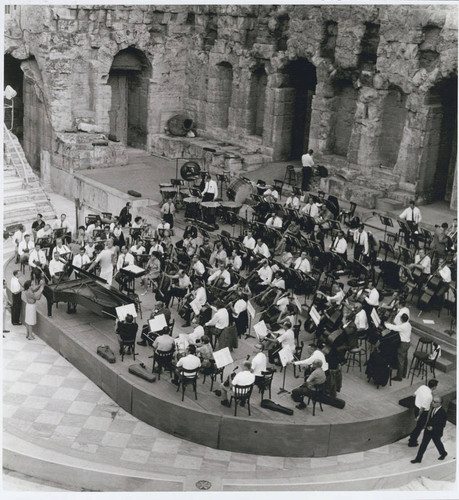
x=14 y=77
x=224 y=94
x=257 y=101
x=129 y=80
x=301 y=78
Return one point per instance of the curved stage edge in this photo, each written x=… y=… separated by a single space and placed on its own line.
x=241 y=434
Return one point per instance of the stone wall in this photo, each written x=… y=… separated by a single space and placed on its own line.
x=368 y=69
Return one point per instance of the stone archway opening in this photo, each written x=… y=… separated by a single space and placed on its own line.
x=224 y=93
x=301 y=79
x=257 y=101
x=14 y=77
x=442 y=143
x=129 y=79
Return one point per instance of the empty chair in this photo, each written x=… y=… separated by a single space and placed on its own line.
x=290 y=176
x=265 y=384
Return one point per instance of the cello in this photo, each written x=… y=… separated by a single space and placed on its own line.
x=430 y=291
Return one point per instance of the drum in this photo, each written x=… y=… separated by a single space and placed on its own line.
x=239 y=189
x=229 y=211
x=192 y=210
x=209 y=211
x=167 y=192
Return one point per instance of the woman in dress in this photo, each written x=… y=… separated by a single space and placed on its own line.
x=31 y=295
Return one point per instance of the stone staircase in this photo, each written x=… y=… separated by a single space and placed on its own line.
x=23 y=195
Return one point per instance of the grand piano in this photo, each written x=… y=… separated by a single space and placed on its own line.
x=88 y=291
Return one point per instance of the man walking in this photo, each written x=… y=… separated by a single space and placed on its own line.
x=422 y=402
x=436 y=421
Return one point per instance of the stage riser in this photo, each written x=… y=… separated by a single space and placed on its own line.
x=241 y=434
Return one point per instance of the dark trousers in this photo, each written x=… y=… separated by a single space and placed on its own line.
x=307 y=174
x=208 y=197
x=420 y=424
x=429 y=435
x=174 y=292
x=402 y=359
x=411 y=236
x=358 y=250
x=16 y=308
x=169 y=218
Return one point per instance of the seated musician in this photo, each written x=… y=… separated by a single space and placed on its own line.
x=197 y=267
x=181 y=287
x=97 y=224
x=117 y=235
x=292 y=202
x=159 y=309
x=114 y=223
x=90 y=248
x=259 y=365
x=24 y=248
x=336 y=297
x=196 y=336
x=45 y=232
x=188 y=245
x=318 y=237
x=421 y=268
x=37 y=224
x=137 y=248
x=153 y=269
x=317 y=355
x=62 y=223
x=243 y=378
x=371 y=298
x=218 y=255
x=274 y=289
x=260 y=251
x=162 y=226
x=81 y=260
x=81 y=236
x=221 y=277
x=339 y=245
x=163 y=344
x=126 y=331
x=263 y=278
x=56 y=268
x=205 y=250
x=190 y=232
x=271 y=315
x=199 y=296
x=286 y=258
x=445 y=273
x=205 y=352
x=124 y=260
x=210 y=191
x=316 y=378
x=156 y=247
x=302 y=263
x=249 y=241
x=239 y=313
x=188 y=362
x=275 y=341
x=274 y=221
x=60 y=248
x=292 y=230
x=310 y=208
x=361 y=318
x=138 y=222
x=38 y=263
x=271 y=195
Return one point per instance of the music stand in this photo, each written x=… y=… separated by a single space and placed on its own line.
x=386 y=222
x=387 y=248
x=334 y=226
x=59 y=232
x=358 y=266
x=405 y=252
x=98 y=233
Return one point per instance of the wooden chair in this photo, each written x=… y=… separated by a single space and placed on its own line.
x=130 y=344
x=164 y=361
x=279 y=185
x=266 y=383
x=241 y=395
x=316 y=397
x=290 y=175
x=213 y=372
x=188 y=377
x=354 y=357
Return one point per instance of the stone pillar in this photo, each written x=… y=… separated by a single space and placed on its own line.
x=282 y=120
x=453 y=203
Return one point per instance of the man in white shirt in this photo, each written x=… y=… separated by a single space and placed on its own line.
x=188 y=362
x=18 y=236
x=259 y=365
x=38 y=263
x=61 y=223
x=90 y=248
x=308 y=162
x=16 y=289
x=372 y=300
x=60 y=248
x=125 y=259
x=24 y=249
x=197 y=266
x=261 y=249
x=302 y=263
x=360 y=242
x=274 y=221
x=422 y=402
x=199 y=297
x=404 y=330
x=271 y=195
x=180 y=288
x=249 y=241
x=210 y=192
x=56 y=267
x=337 y=295
x=412 y=216
x=339 y=245
x=401 y=310
x=221 y=277
x=243 y=378
x=311 y=208
x=361 y=318
x=292 y=202
x=219 y=321
x=444 y=271
x=137 y=248
x=317 y=355
x=422 y=262
x=81 y=260
x=45 y=232
x=265 y=276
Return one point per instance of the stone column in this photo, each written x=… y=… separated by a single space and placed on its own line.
x=453 y=204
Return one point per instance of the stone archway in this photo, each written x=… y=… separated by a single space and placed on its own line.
x=300 y=82
x=258 y=83
x=14 y=77
x=129 y=81
x=440 y=148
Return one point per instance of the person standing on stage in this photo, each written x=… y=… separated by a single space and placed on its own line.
x=404 y=330
x=210 y=192
x=308 y=162
x=125 y=216
x=105 y=259
x=360 y=242
x=436 y=421
x=31 y=295
x=423 y=400
x=167 y=211
x=16 y=289
x=412 y=216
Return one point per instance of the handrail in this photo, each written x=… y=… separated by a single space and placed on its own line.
x=23 y=165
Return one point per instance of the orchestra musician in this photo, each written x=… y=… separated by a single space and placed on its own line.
x=219 y=321
x=311 y=208
x=263 y=277
x=60 y=248
x=24 y=249
x=38 y=263
x=56 y=268
x=81 y=260
x=179 y=289
x=239 y=312
x=210 y=191
x=37 y=224
x=159 y=309
x=167 y=212
x=275 y=341
x=412 y=216
x=126 y=331
x=421 y=268
x=274 y=221
x=153 y=269
x=45 y=232
x=361 y=242
x=292 y=202
x=274 y=290
x=271 y=195
x=199 y=297
x=124 y=260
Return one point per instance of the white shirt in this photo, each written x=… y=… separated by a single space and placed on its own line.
x=337 y=298
x=124 y=260
x=259 y=364
x=137 y=250
x=42 y=233
x=361 y=238
x=404 y=330
x=196 y=334
x=55 y=266
x=262 y=250
x=211 y=187
x=287 y=339
x=15 y=285
x=189 y=362
x=445 y=273
x=361 y=320
x=243 y=378
x=199 y=268
x=61 y=250
x=401 y=312
x=37 y=256
x=90 y=250
x=412 y=215
x=23 y=245
x=310 y=209
x=200 y=297
x=156 y=248
x=425 y=263
x=283 y=303
x=373 y=298
x=220 y=274
x=303 y=265
x=18 y=236
x=307 y=160
x=316 y=355
x=339 y=245
x=278 y=283
x=168 y=208
x=274 y=222
x=239 y=306
x=293 y=201
x=249 y=242
x=236 y=262
x=423 y=397
x=57 y=224
x=265 y=274
x=220 y=319
x=80 y=260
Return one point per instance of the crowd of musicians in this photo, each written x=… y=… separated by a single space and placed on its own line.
x=307 y=267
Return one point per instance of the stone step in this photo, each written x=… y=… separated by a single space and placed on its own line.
x=22 y=195
x=12 y=183
x=403 y=197
x=388 y=205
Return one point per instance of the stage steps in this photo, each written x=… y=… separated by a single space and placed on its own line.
x=23 y=195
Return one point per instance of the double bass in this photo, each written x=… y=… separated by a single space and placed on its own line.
x=430 y=291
